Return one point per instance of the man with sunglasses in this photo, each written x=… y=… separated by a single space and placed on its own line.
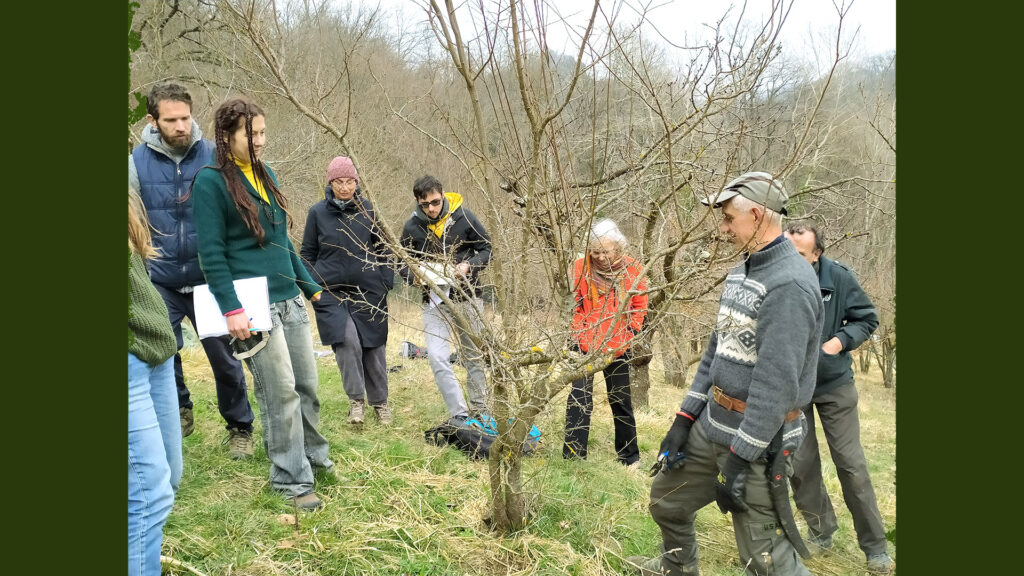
x=454 y=247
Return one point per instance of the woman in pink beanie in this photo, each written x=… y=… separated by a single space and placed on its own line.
x=344 y=253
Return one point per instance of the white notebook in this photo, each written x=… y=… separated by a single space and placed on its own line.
x=251 y=292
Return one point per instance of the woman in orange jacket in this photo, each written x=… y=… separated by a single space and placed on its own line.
x=610 y=307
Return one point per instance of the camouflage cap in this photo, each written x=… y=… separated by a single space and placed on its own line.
x=759 y=187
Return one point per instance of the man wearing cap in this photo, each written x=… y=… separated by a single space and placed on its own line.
x=161 y=170
x=850 y=318
x=447 y=238
x=741 y=417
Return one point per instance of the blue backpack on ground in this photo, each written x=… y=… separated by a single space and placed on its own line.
x=476 y=436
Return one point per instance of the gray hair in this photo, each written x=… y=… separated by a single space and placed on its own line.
x=742 y=203
x=606 y=229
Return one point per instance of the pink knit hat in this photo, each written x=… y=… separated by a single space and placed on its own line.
x=341 y=167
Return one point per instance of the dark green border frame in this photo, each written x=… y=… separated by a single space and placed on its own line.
x=65 y=414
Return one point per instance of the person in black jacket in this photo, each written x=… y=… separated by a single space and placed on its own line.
x=342 y=249
x=449 y=240
x=850 y=318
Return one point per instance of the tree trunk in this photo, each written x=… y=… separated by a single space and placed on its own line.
x=886 y=357
x=864 y=358
x=641 y=382
x=889 y=355
x=640 y=369
x=674 y=351
x=675 y=363
x=508 y=507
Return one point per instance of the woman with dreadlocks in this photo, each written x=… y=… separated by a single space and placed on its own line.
x=241 y=222
x=610 y=310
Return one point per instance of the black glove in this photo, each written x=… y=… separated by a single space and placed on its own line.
x=672 y=446
x=730 y=494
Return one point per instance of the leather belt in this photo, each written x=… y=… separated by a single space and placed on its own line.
x=736 y=405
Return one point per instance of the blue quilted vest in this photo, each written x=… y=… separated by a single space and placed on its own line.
x=163 y=183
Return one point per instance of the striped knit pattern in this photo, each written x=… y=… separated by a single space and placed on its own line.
x=764 y=351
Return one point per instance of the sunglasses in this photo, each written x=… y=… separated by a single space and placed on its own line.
x=242 y=349
x=431 y=204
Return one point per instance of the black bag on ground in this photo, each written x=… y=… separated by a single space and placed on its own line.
x=475 y=440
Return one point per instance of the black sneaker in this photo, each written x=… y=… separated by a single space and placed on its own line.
x=818 y=544
x=880 y=563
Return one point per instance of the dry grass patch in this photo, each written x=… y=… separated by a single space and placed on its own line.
x=402 y=506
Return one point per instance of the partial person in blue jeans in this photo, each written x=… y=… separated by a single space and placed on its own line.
x=154 y=431
x=242 y=222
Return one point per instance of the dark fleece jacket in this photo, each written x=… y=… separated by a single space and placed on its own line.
x=343 y=252
x=849 y=316
x=463 y=239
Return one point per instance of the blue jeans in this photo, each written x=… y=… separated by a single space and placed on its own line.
x=154 y=460
x=285 y=381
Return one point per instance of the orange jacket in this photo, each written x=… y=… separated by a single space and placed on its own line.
x=595 y=323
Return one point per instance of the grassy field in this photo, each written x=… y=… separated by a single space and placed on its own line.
x=401 y=506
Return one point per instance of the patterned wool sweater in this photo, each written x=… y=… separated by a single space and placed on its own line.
x=150 y=336
x=764 y=351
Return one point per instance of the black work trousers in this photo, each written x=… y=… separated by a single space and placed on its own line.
x=232 y=398
x=581 y=404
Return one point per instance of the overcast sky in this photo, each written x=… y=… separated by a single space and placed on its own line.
x=809 y=21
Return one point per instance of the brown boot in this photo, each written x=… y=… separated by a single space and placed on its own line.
x=188 y=423
x=308 y=501
x=355 y=412
x=239 y=444
x=384 y=414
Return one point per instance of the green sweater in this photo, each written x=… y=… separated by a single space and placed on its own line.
x=228 y=250
x=150 y=336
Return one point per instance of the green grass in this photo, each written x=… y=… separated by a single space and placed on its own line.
x=402 y=506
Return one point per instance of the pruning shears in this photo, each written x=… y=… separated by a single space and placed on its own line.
x=665 y=464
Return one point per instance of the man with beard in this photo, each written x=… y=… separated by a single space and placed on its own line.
x=161 y=169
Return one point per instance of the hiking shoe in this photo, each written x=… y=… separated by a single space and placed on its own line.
x=239 y=444
x=384 y=414
x=645 y=566
x=880 y=563
x=458 y=421
x=188 y=423
x=818 y=544
x=308 y=501
x=355 y=412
